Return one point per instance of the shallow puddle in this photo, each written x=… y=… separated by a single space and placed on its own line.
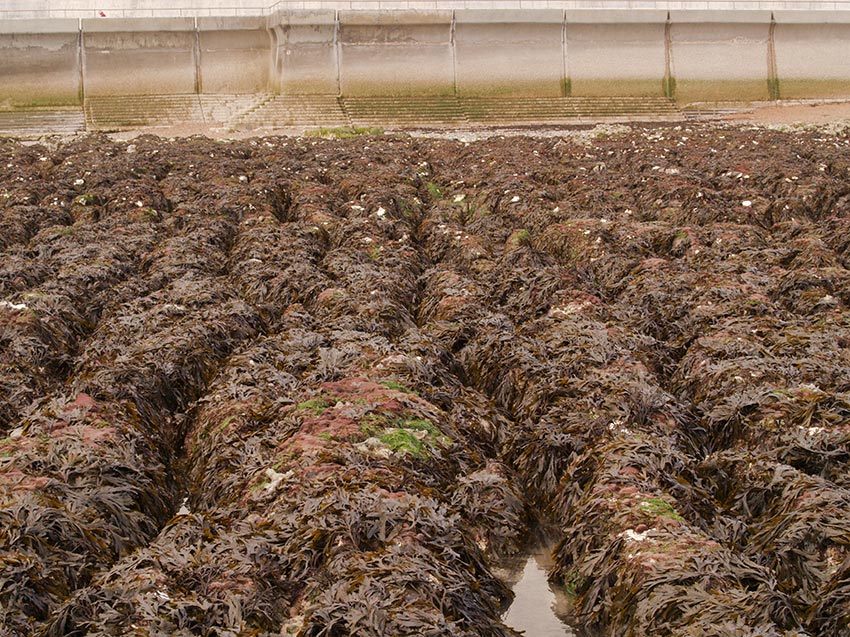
x=538 y=609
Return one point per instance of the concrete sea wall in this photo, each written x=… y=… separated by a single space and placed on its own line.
x=684 y=54
x=139 y=57
x=306 y=59
x=715 y=55
x=616 y=53
x=40 y=62
x=62 y=61
x=397 y=53
x=515 y=53
x=812 y=54
x=233 y=55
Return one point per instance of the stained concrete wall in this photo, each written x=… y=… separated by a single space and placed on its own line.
x=234 y=55
x=614 y=52
x=693 y=55
x=139 y=56
x=720 y=55
x=39 y=63
x=305 y=54
x=812 y=54
x=396 y=53
x=509 y=52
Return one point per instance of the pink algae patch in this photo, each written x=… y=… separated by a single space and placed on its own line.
x=319 y=471
x=14 y=480
x=88 y=434
x=304 y=444
x=84 y=401
x=355 y=386
x=364 y=392
x=331 y=423
x=91 y=430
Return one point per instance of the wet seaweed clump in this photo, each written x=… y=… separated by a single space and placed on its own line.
x=328 y=387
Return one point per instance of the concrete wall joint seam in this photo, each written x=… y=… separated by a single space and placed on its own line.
x=337 y=53
x=565 y=72
x=454 y=53
x=772 y=76
x=196 y=54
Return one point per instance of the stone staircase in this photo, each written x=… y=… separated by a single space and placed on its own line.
x=563 y=110
x=135 y=111
x=116 y=113
x=24 y=122
x=297 y=111
x=224 y=109
x=263 y=111
x=406 y=112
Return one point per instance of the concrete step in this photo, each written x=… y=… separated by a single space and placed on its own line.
x=133 y=111
x=415 y=111
x=281 y=111
x=543 y=110
x=709 y=114
x=224 y=109
x=302 y=111
x=42 y=121
x=714 y=110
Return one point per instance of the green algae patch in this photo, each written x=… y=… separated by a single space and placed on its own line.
x=317 y=405
x=415 y=436
x=403 y=441
x=343 y=132
x=391 y=384
x=658 y=508
x=433 y=190
x=518 y=239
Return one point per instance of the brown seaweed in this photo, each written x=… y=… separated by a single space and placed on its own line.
x=317 y=387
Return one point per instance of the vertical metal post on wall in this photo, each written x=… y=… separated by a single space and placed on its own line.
x=81 y=62
x=275 y=65
x=772 y=74
x=337 y=54
x=669 y=81
x=566 y=84
x=196 y=54
x=452 y=44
